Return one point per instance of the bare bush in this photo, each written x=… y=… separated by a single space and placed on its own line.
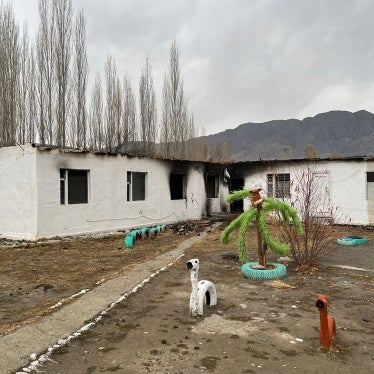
x=310 y=196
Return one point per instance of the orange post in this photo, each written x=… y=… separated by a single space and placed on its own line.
x=327 y=331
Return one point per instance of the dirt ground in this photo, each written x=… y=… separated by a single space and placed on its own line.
x=256 y=327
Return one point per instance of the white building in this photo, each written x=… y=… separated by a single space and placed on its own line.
x=46 y=192
x=346 y=184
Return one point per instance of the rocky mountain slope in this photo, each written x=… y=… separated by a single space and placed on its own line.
x=335 y=133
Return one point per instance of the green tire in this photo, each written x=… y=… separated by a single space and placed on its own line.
x=278 y=272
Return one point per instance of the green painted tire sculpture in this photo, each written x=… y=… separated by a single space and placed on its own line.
x=279 y=271
x=351 y=240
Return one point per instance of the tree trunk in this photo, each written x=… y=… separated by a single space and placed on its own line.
x=261 y=249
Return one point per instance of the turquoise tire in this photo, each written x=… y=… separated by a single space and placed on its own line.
x=278 y=272
x=351 y=240
x=129 y=241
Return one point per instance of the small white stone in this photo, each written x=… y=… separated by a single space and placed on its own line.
x=293 y=306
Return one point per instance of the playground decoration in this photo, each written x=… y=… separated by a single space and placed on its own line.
x=260 y=207
x=135 y=235
x=327 y=331
x=202 y=291
x=351 y=240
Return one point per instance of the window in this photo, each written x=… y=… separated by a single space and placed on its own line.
x=278 y=185
x=136 y=186
x=74 y=186
x=211 y=186
x=370 y=185
x=177 y=185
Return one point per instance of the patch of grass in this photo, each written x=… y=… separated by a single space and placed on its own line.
x=108 y=349
x=155 y=352
x=209 y=362
x=257 y=353
x=113 y=368
x=288 y=352
x=174 y=284
x=61 y=350
x=186 y=321
x=116 y=338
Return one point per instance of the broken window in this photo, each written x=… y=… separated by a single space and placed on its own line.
x=177 y=184
x=211 y=186
x=136 y=186
x=73 y=186
x=370 y=185
x=278 y=185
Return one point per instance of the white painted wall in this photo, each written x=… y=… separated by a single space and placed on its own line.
x=108 y=208
x=347 y=185
x=30 y=191
x=18 y=192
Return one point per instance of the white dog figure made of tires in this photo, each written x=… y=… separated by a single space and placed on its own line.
x=203 y=292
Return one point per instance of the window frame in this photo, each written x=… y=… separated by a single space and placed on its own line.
x=68 y=196
x=142 y=196
x=278 y=185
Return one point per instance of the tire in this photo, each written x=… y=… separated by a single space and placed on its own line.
x=129 y=241
x=351 y=240
x=278 y=272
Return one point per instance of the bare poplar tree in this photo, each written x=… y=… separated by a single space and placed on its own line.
x=45 y=73
x=79 y=133
x=23 y=87
x=31 y=102
x=175 y=109
x=118 y=116
x=191 y=134
x=129 y=118
x=96 y=116
x=62 y=10
x=9 y=75
x=147 y=111
x=110 y=121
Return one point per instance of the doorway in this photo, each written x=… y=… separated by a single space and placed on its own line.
x=235 y=185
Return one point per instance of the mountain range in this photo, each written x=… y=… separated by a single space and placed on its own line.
x=331 y=134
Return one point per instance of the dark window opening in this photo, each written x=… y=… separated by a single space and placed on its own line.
x=62 y=186
x=211 y=186
x=74 y=184
x=136 y=186
x=278 y=185
x=177 y=186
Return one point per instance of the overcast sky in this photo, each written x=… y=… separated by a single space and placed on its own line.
x=241 y=60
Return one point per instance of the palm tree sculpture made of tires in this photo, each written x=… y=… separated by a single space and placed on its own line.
x=257 y=213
